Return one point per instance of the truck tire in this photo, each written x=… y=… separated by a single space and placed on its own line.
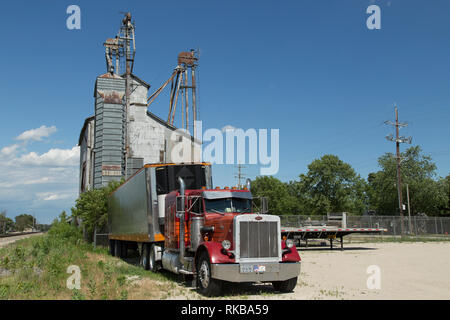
x=285 y=286
x=144 y=258
x=207 y=285
x=154 y=265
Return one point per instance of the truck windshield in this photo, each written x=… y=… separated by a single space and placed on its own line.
x=226 y=205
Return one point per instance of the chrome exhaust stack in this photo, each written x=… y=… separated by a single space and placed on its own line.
x=182 y=213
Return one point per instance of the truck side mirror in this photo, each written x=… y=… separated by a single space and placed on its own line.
x=264 y=205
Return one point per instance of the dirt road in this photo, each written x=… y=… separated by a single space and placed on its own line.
x=7 y=240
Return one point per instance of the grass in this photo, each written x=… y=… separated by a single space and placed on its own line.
x=37 y=269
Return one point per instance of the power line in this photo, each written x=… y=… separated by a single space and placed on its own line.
x=398 y=139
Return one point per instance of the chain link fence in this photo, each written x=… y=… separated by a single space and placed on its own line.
x=417 y=225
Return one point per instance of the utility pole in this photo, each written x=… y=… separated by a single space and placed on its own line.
x=239 y=175
x=398 y=139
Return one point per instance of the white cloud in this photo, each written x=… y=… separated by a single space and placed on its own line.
x=51 y=196
x=9 y=150
x=42 y=182
x=25 y=182
x=37 y=134
x=52 y=158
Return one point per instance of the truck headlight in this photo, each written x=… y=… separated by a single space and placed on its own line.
x=289 y=243
x=226 y=244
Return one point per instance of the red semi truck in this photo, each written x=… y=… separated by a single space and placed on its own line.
x=212 y=234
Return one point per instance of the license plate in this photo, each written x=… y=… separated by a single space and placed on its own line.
x=249 y=268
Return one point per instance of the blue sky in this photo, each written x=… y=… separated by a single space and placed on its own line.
x=309 y=68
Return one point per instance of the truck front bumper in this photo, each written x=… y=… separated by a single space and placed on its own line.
x=274 y=272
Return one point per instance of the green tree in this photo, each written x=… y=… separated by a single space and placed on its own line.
x=418 y=171
x=24 y=221
x=331 y=185
x=444 y=184
x=281 y=200
x=92 y=206
x=6 y=223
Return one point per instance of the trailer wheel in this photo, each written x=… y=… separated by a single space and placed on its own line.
x=153 y=264
x=144 y=257
x=285 y=286
x=117 y=248
x=124 y=250
x=111 y=247
x=207 y=285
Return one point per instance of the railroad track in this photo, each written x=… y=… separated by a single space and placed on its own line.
x=17 y=234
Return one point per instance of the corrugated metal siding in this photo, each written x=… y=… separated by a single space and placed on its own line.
x=109 y=129
x=133 y=165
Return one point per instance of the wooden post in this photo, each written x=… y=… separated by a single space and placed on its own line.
x=95 y=237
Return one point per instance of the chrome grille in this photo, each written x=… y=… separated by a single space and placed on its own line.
x=258 y=239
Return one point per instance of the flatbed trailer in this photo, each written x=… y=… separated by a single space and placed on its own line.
x=330 y=233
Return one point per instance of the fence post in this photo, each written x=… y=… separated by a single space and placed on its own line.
x=415 y=224
x=95 y=236
x=442 y=226
x=435 y=223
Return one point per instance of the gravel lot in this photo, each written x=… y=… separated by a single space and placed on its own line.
x=408 y=271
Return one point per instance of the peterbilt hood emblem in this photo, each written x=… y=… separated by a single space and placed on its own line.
x=258 y=218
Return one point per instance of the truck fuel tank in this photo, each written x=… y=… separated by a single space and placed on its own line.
x=196 y=237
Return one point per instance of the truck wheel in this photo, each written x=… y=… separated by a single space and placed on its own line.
x=153 y=264
x=207 y=285
x=118 y=249
x=285 y=286
x=144 y=257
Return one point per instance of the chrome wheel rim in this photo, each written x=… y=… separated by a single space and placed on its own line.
x=204 y=274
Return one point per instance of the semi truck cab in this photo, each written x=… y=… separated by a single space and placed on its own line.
x=226 y=238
